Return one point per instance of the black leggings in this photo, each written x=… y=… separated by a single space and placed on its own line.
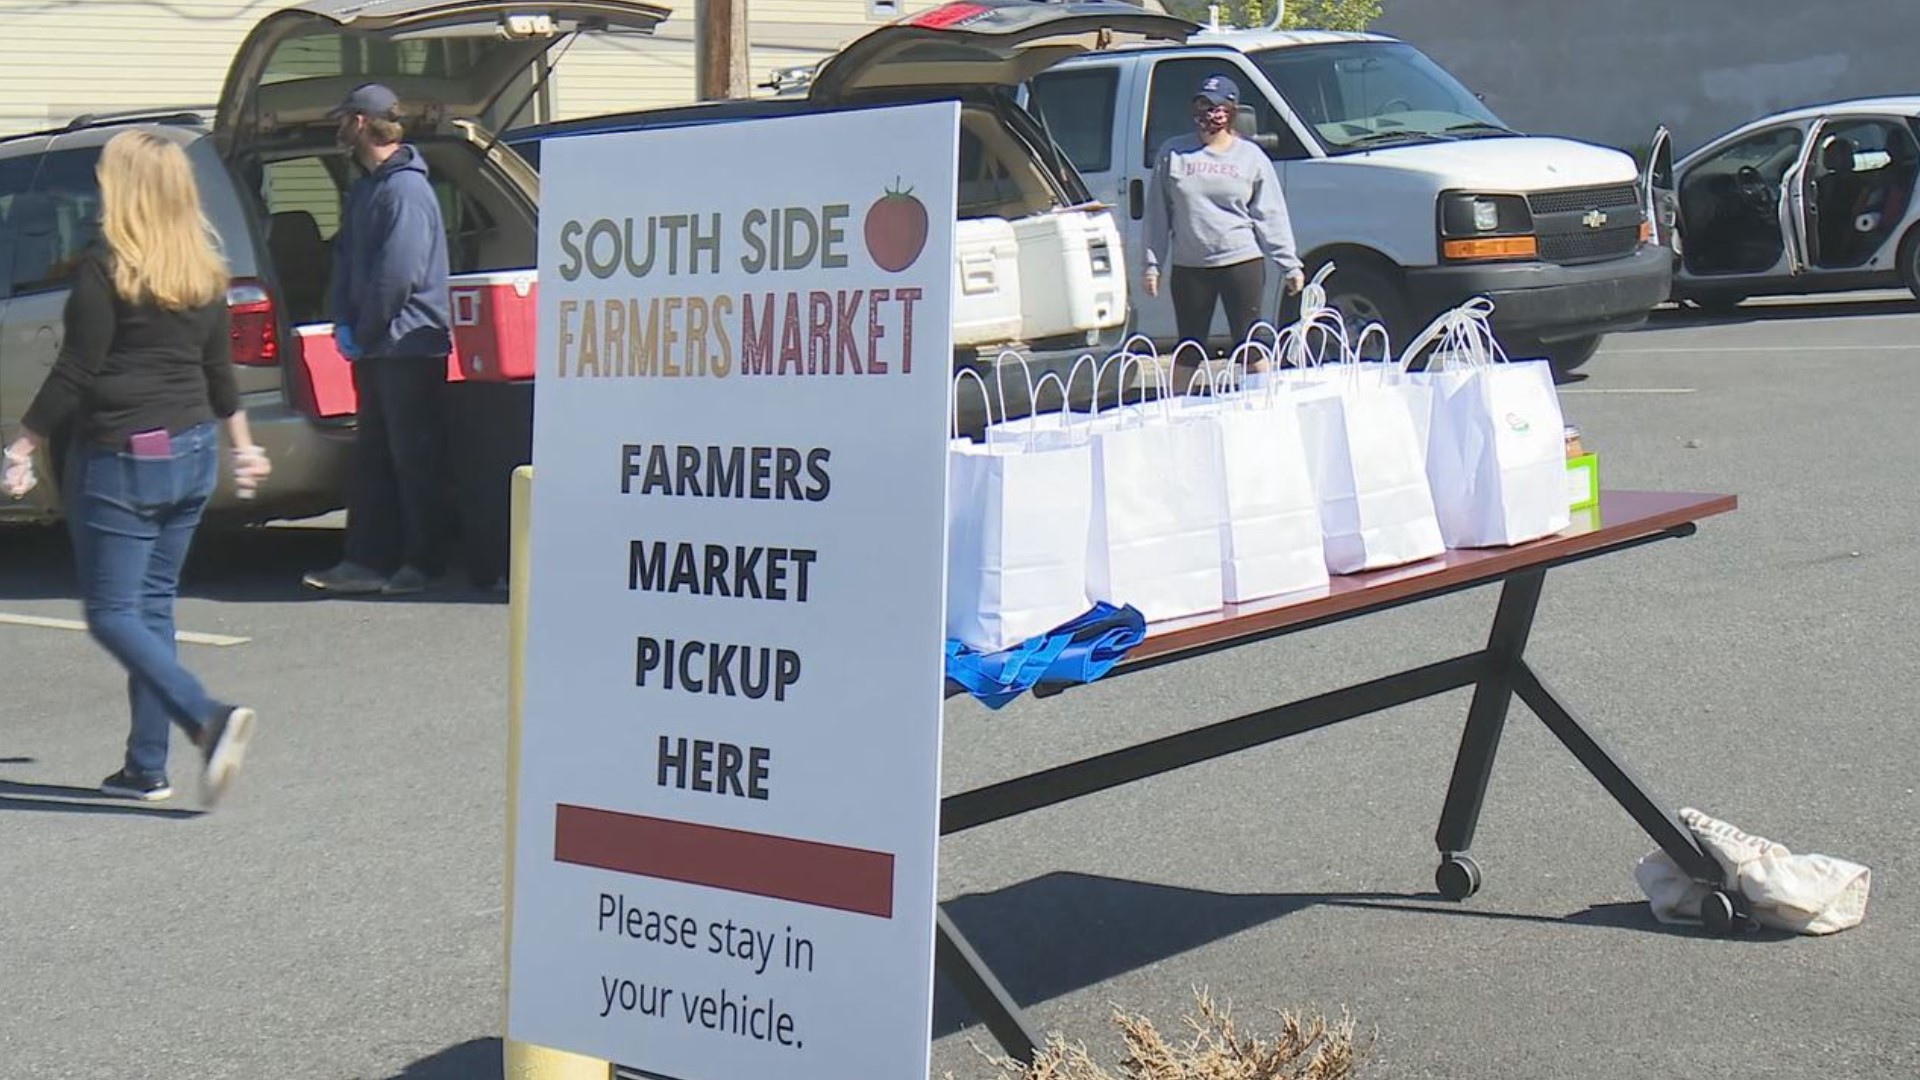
x=1195 y=289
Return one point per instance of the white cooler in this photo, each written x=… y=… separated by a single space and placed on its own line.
x=1072 y=276
x=986 y=287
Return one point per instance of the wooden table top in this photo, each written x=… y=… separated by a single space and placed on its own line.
x=1621 y=516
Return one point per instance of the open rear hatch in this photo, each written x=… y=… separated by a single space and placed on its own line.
x=973 y=43
x=449 y=59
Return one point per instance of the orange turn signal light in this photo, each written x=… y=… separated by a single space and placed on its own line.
x=1498 y=247
x=1646 y=231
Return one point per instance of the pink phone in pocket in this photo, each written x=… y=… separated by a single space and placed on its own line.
x=151 y=444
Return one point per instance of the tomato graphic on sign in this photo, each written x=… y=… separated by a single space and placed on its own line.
x=896 y=229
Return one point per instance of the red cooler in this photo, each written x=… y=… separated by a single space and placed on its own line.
x=493 y=324
x=325 y=377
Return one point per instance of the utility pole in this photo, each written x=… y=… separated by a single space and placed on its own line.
x=720 y=49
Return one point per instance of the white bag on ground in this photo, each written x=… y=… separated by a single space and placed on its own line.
x=1017 y=521
x=1803 y=894
x=1495 y=447
x=1158 y=500
x=1369 y=472
x=1270 y=537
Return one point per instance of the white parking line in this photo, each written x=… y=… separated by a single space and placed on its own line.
x=184 y=637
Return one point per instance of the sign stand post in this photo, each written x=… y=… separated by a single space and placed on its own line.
x=524 y=1061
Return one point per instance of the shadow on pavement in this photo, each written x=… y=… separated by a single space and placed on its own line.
x=1783 y=312
x=1064 y=932
x=475 y=1059
x=253 y=565
x=61 y=799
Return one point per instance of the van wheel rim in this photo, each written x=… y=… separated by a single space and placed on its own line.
x=1357 y=310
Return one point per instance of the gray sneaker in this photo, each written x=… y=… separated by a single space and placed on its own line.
x=346 y=579
x=404 y=581
x=224 y=742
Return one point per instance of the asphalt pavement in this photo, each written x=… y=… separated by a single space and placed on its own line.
x=340 y=916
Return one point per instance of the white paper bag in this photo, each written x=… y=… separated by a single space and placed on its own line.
x=1804 y=894
x=1158 y=500
x=1376 y=506
x=1017 y=524
x=1270 y=539
x=1496 y=449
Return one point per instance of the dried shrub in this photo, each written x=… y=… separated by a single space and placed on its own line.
x=1306 y=1047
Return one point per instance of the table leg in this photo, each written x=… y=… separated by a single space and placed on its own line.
x=1458 y=877
x=1626 y=789
x=955 y=957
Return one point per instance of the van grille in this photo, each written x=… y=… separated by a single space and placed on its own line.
x=1587 y=224
x=1584 y=199
x=1589 y=244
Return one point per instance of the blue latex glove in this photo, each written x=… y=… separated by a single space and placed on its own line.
x=343 y=340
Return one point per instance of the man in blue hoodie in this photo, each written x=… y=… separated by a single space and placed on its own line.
x=390 y=312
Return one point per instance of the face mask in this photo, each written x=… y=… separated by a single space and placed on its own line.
x=1214 y=121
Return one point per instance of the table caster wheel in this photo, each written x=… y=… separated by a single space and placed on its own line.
x=1458 y=877
x=1719 y=914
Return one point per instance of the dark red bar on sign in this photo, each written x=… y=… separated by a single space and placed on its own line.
x=803 y=871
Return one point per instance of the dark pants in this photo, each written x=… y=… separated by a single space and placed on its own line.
x=1195 y=290
x=393 y=503
x=132 y=521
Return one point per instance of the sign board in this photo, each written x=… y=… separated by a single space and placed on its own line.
x=730 y=755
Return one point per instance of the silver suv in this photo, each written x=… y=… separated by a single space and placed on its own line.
x=272 y=182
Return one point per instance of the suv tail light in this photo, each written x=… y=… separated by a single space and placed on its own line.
x=256 y=333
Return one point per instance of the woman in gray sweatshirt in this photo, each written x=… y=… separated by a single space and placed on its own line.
x=1215 y=215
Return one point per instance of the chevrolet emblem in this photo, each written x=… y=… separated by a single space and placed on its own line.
x=1594 y=219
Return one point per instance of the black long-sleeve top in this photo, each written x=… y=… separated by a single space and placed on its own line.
x=125 y=368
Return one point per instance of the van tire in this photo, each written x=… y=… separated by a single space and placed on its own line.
x=1364 y=292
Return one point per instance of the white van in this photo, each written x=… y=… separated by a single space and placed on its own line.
x=1392 y=170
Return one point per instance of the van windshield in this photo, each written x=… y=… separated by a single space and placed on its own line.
x=1362 y=95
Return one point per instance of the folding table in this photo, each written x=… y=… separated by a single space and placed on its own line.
x=1622 y=521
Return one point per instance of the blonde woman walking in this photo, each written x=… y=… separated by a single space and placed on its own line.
x=144 y=374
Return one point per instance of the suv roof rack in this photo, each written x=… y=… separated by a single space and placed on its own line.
x=176 y=114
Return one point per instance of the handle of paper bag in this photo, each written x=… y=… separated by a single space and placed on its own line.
x=1129 y=360
x=1065 y=412
x=1126 y=346
x=1330 y=324
x=1093 y=394
x=1000 y=386
x=1373 y=330
x=985 y=398
x=1238 y=392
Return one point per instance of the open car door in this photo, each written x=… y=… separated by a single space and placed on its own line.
x=452 y=59
x=986 y=43
x=1662 y=193
x=1797 y=201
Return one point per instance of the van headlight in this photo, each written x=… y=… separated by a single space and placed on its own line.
x=1478 y=226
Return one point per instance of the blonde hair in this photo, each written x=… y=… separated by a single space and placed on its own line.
x=163 y=247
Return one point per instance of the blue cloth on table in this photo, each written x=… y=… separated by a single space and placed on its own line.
x=1078 y=651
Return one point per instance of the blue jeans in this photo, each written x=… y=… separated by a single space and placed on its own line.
x=132 y=520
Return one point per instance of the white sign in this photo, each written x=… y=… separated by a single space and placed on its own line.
x=730 y=760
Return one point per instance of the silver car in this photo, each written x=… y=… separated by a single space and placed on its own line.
x=1814 y=200
x=272 y=182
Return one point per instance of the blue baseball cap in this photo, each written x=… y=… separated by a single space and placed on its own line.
x=368 y=99
x=1218 y=90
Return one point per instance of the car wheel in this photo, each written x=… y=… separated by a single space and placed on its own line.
x=1363 y=293
x=1910 y=261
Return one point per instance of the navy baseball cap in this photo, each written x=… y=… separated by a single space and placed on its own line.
x=369 y=99
x=1218 y=90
